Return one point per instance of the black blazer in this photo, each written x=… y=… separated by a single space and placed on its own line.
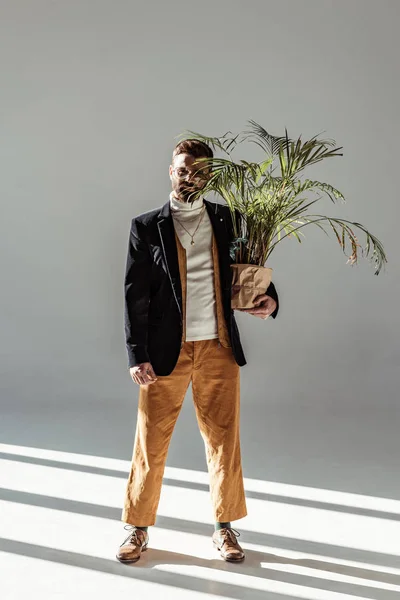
x=153 y=294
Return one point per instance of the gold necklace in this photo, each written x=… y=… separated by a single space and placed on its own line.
x=192 y=236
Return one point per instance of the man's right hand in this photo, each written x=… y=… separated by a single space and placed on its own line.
x=143 y=374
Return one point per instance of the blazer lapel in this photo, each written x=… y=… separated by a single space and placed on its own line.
x=218 y=221
x=167 y=235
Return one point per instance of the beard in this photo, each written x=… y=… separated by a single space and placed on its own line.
x=185 y=191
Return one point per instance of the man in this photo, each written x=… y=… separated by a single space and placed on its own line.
x=180 y=327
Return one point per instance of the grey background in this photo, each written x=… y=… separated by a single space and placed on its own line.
x=93 y=95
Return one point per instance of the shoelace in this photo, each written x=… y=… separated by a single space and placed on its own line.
x=229 y=534
x=132 y=537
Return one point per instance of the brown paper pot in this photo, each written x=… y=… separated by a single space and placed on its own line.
x=248 y=282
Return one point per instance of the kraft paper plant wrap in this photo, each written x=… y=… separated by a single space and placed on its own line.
x=266 y=208
x=248 y=282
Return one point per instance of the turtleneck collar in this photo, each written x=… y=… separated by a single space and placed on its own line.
x=185 y=207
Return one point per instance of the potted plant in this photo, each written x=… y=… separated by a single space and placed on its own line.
x=266 y=208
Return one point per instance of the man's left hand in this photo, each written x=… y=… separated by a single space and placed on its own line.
x=265 y=306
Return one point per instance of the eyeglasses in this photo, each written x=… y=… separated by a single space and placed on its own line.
x=182 y=173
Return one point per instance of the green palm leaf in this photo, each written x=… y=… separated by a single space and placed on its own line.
x=266 y=207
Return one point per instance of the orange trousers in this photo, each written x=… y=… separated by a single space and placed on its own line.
x=215 y=377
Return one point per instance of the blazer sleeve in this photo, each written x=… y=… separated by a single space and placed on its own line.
x=137 y=296
x=271 y=290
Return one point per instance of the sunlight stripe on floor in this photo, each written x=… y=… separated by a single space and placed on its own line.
x=312 y=524
x=99 y=538
x=254 y=485
x=268 y=584
x=48 y=580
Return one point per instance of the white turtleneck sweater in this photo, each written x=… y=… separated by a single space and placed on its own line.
x=201 y=310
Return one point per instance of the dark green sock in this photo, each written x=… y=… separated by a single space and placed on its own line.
x=144 y=528
x=221 y=525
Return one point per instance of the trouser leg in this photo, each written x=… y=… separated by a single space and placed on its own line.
x=216 y=396
x=158 y=410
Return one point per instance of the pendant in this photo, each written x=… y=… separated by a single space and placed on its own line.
x=192 y=243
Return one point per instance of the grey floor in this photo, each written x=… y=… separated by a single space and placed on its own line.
x=322 y=491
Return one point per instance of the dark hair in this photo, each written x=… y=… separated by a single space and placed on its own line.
x=195 y=148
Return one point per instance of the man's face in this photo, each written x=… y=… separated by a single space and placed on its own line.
x=183 y=176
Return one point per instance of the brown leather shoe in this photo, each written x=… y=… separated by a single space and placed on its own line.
x=132 y=547
x=225 y=541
